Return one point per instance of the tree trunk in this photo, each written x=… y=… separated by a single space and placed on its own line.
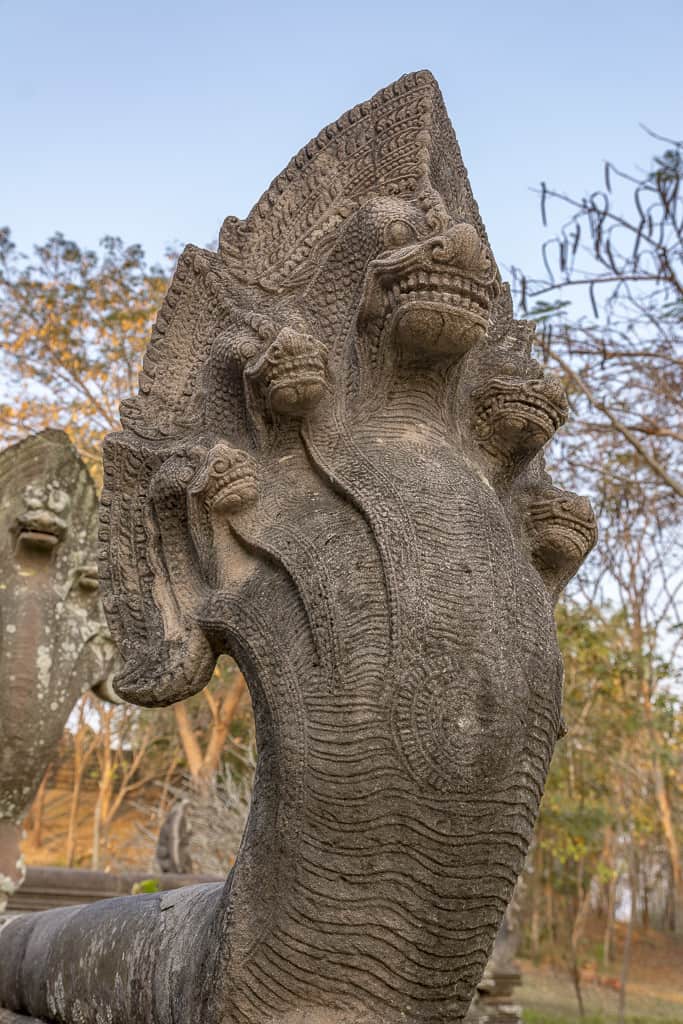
x=188 y=738
x=81 y=757
x=549 y=911
x=163 y=806
x=37 y=811
x=576 y=981
x=71 y=830
x=535 y=924
x=609 y=923
x=666 y=818
x=95 y=863
x=105 y=772
x=577 y=937
x=626 y=962
x=221 y=728
x=659 y=782
x=204 y=765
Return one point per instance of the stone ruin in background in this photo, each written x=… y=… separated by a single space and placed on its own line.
x=333 y=471
x=54 y=643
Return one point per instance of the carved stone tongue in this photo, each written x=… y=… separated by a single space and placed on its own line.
x=40 y=528
x=297 y=396
x=431 y=329
x=87 y=577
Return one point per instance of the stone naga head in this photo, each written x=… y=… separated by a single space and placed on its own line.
x=334 y=472
x=54 y=642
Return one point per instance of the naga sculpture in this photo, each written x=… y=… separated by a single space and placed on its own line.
x=333 y=472
x=54 y=643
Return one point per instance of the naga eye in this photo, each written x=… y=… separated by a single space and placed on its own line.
x=397 y=233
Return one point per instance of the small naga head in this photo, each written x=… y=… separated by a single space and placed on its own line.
x=225 y=482
x=434 y=295
x=562 y=531
x=44 y=521
x=291 y=371
x=264 y=370
x=43 y=531
x=516 y=406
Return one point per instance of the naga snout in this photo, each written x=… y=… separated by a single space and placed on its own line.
x=435 y=296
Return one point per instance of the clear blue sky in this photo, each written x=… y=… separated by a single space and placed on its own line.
x=153 y=121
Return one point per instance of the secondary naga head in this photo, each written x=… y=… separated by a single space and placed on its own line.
x=333 y=471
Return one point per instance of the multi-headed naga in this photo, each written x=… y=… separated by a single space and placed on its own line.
x=54 y=643
x=333 y=472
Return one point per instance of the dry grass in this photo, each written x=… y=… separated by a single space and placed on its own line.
x=654 y=993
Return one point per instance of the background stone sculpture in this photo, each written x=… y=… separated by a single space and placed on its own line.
x=333 y=472
x=495 y=1002
x=53 y=639
x=173 y=845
